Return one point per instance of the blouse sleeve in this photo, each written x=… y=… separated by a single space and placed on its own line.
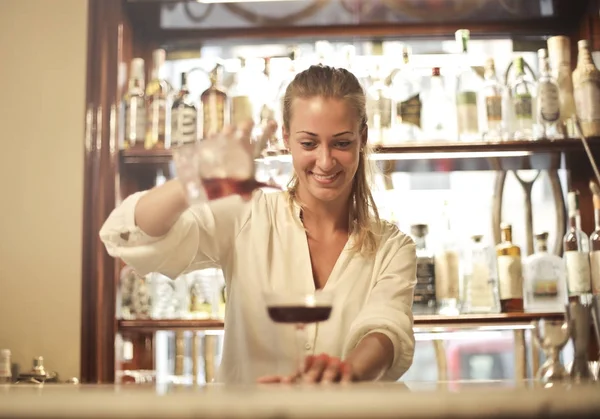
x=201 y=237
x=388 y=309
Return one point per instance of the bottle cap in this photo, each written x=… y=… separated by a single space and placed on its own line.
x=435 y=71
x=573 y=202
x=137 y=68
x=541 y=237
x=5 y=352
x=477 y=238
x=583 y=44
x=419 y=230
x=542 y=53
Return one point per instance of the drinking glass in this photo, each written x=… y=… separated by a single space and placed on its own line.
x=299 y=309
x=221 y=165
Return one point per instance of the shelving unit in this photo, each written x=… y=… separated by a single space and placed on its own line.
x=122 y=29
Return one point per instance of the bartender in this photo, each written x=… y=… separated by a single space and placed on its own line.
x=323 y=233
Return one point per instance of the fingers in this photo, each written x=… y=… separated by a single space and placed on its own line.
x=269 y=379
x=314 y=372
x=332 y=372
x=347 y=375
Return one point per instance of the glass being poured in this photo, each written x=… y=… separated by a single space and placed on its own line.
x=223 y=164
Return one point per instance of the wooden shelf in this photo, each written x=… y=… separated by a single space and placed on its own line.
x=486 y=149
x=427 y=321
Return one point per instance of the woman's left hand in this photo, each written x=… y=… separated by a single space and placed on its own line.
x=317 y=369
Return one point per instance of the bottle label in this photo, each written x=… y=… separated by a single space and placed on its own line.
x=382 y=113
x=587 y=100
x=480 y=292
x=466 y=109
x=446 y=275
x=578 y=272
x=510 y=277
x=183 y=125
x=523 y=106
x=410 y=110
x=241 y=110
x=595 y=271
x=549 y=102
x=157 y=121
x=493 y=108
x=135 y=122
x=213 y=114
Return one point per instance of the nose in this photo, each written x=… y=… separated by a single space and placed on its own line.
x=325 y=159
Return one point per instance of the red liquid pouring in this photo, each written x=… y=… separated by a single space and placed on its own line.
x=299 y=314
x=221 y=187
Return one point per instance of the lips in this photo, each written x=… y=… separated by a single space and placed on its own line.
x=325 y=179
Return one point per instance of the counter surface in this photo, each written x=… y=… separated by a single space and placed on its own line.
x=365 y=400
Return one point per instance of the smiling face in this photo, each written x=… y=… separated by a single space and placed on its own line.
x=325 y=141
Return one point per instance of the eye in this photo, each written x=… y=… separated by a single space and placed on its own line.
x=307 y=144
x=343 y=144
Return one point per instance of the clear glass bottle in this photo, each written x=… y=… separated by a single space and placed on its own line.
x=548 y=102
x=447 y=269
x=576 y=246
x=559 y=50
x=214 y=104
x=545 y=279
x=379 y=110
x=424 y=301
x=493 y=94
x=522 y=97
x=467 y=87
x=436 y=124
x=586 y=89
x=134 y=106
x=595 y=247
x=406 y=88
x=481 y=284
x=158 y=108
x=510 y=272
x=240 y=100
x=184 y=116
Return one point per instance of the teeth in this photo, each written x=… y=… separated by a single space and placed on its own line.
x=321 y=177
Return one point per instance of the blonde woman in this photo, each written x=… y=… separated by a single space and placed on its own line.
x=323 y=233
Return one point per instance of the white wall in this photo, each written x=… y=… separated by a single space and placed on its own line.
x=42 y=71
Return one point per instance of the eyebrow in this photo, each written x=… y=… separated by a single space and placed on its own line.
x=339 y=134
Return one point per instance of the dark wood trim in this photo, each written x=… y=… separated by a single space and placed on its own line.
x=528 y=28
x=98 y=324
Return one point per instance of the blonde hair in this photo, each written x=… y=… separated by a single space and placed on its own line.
x=338 y=83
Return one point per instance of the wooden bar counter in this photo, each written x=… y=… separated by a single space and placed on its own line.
x=492 y=399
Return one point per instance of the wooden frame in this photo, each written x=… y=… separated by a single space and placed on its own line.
x=113 y=39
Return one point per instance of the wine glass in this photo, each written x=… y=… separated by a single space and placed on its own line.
x=299 y=309
x=222 y=164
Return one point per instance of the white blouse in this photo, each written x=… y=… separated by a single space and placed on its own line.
x=261 y=246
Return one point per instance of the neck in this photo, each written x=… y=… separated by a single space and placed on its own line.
x=325 y=217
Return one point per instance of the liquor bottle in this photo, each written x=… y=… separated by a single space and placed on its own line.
x=595 y=247
x=184 y=116
x=405 y=86
x=447 y=269
x=158 y=123
x=576 y=245
x=134 y=106
x=240 y=101
x=467 y=86
x=522 y=96
x=586 y=88
x=545 y=279
x=424 y=299
x=494 y=94
x=214 y=105
x=559 y=50
x=481 y=284
x=510 y=272
x=548 y=103
x=379 y=109
x=437 y=126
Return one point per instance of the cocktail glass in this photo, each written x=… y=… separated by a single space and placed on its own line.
x=299 y=309
x=221 y=165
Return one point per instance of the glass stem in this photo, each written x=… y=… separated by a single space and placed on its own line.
x=300 y=342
